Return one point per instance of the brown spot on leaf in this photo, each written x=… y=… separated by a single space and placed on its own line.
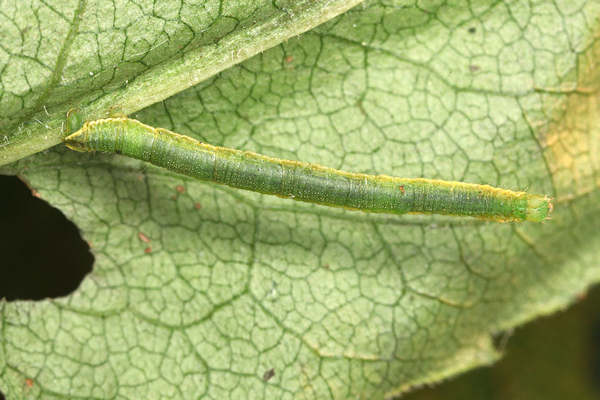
x=180 y=188
x=361 y=107
x=197 y=206
x=401 y=188
x=289 y=59
x=148 y=250
x=29 y=382
x=143 y=237
x=268 y=374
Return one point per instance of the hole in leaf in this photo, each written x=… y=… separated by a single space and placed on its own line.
x=43 y=254
x=2 y=396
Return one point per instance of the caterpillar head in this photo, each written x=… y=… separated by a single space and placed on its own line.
x=76 y=139
x=74 y=121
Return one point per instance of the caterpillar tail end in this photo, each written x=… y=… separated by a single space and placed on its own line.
x=539 y=208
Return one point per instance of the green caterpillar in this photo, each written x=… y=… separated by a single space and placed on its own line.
x=302 y=181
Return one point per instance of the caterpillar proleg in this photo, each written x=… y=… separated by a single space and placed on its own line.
x=304 y=181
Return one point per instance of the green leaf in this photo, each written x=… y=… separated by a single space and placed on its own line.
x=118 y=57
x=338 y=304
